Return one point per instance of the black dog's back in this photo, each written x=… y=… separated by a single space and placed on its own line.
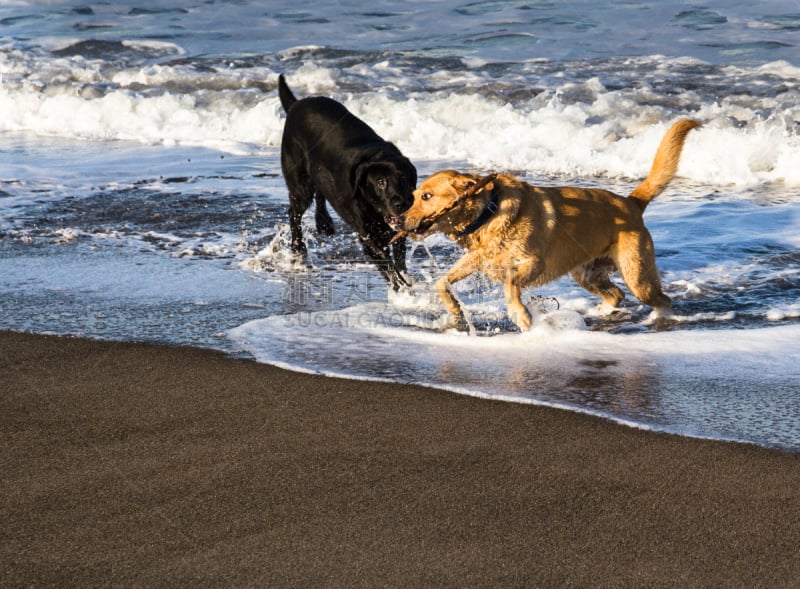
x=315 y=116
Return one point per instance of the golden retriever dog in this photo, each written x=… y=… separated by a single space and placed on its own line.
x=522 y=235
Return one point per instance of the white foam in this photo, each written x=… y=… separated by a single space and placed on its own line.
x=67 y=235
x=120 y=115
x=163 y=46
x=605 y=133
x=559 y=332
x=275 y=255
x=791 y=311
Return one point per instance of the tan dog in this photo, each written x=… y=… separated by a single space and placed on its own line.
x=522 y=235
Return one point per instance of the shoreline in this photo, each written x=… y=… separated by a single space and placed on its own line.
x=130 y=463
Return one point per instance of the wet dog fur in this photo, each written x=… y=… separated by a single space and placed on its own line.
x=538 y=234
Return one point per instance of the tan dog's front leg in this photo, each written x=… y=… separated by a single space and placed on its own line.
x=463 y=268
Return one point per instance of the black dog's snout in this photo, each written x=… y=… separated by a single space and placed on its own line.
x=400 y=204
x=397 y=221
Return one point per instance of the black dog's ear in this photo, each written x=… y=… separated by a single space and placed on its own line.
x=412 y=171
x=365 y=169
x=360 y=173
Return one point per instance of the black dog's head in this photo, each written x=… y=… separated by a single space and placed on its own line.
x=390 y=185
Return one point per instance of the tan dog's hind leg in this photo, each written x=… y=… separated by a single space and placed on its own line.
x=636 y=261
x=464 y=267
x=594 y=277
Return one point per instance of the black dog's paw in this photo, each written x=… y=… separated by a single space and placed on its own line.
x=299 y=248
x=326 y=228
x=400 y=280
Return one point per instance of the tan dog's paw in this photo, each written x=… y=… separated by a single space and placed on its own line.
x=458 y=322
x=522 y=319
x=660 y=319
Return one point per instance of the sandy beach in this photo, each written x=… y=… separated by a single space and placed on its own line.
x=139 y=465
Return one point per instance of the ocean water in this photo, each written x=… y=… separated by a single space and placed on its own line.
x=141 y=195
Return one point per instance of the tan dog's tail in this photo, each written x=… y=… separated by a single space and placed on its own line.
x=665 y=163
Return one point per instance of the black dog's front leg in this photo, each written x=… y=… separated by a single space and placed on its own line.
x=399 y=254
x=299 y=201
x=295 y=219
x=381 y=257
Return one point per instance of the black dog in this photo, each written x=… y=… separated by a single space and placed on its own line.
x=328 y=152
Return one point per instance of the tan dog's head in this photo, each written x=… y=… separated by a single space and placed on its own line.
x=439 y=206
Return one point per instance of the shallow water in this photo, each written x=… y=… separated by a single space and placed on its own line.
x=141 y=196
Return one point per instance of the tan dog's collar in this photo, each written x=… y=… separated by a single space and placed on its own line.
x=483 y=218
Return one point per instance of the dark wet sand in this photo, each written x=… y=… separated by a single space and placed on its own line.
x=138 y=465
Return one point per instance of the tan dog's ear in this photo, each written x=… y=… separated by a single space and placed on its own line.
x=462 y=183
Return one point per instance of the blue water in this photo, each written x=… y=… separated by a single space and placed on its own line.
x=141 y=195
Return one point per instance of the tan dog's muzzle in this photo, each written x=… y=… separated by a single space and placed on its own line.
x=424 y=226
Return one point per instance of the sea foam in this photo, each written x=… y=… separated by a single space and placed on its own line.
x=575 y=129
